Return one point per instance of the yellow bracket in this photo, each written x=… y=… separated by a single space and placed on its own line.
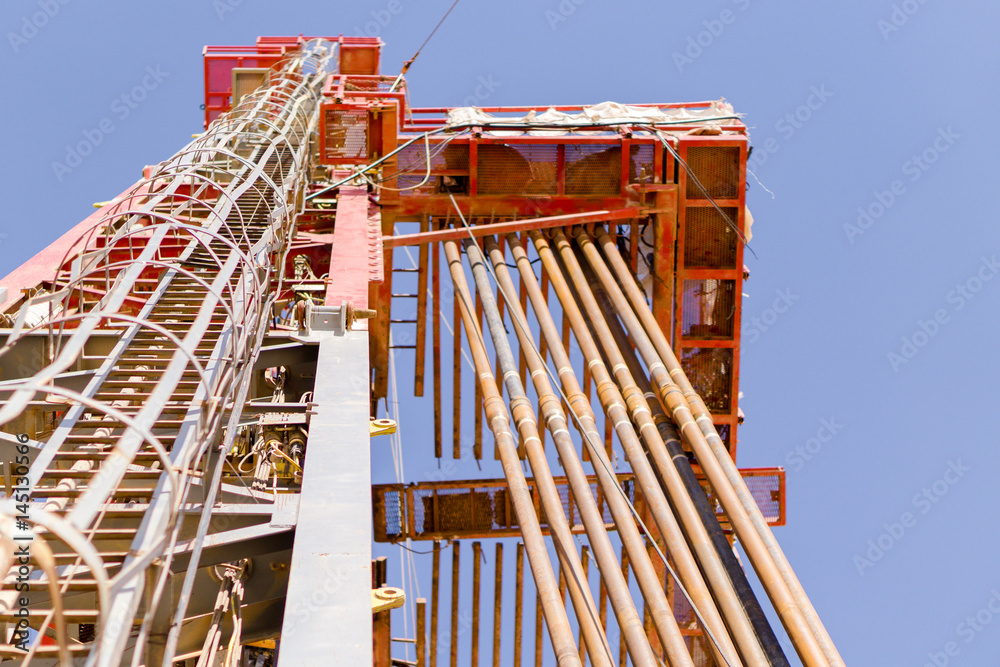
x=386 y=598
x=381 y=427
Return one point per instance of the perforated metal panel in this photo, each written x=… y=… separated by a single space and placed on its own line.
x=449 y=169
x=346 y=134
x=387 y=510
x=480 y=509
x=641 y=169
x=525 y=169
x=718 y=170
x=593 y=169
x=710 y=370
x=460 y=510
x=766 y=485
x=709 y=310
x=709 y=241
x=723 y=431
x=381 y=84
x=246 y=80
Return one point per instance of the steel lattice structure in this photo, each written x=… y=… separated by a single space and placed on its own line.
x=192 y=376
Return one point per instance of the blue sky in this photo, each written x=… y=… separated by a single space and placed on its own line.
x=878 y=243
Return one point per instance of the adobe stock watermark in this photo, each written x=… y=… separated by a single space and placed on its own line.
x=704 y=39
x=788 y=125
x=381 y=18
x=898 y=17
x=967 y=630
x=562 y=12
x=754 y=327
x=324 y=590
x=223 y=7
x=958 y=297
x=483 y=91
x=121 y=108
x=923 y=502
x=915 y=168
x=807 y=451
x=32 y=23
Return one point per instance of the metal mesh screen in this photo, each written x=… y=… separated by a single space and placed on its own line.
x=246 y=80
x=641 y=168
x=709 y=309
x=723 y=430
x=387 y=510
x=369 y=83
x=482 y=509
x=718 y=170
x=449 y=169
x=767 y=491
x=516 y=170
x=459 y=510
x=593 y=169
x=709 y=240
x=346 y=134
x=710 y=370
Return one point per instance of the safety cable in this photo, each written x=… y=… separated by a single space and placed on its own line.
x=408 y=63
x=691 y=175
x=576 y=418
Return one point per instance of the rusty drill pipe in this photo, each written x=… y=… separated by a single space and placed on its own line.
x=671 y=440
x=712 y=462
x=616 y=407
x=715 y=576
x=628 y=617
x=524 y=419
x=718 y=579
x=632 y=541
x=560 y=632
x=704 y=420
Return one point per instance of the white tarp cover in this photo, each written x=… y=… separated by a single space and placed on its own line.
x=719 y=112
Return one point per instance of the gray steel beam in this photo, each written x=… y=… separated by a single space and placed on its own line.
x=328 y=613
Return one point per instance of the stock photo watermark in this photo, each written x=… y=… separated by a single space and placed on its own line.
x=807 y=451
x=562 y=12
x=898 y=17
x=788 y=125
x=484 y=90
x=914 y=168
x=923 y=501
x=968 y=629
x=754 y=327
x=324 y=591
x=698 y=43
x=121 y=108
x=957 y=298
x=32 y=24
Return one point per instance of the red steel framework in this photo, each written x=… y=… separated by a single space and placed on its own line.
x=594 y=256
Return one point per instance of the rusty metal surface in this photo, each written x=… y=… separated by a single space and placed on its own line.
x=481 y=508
